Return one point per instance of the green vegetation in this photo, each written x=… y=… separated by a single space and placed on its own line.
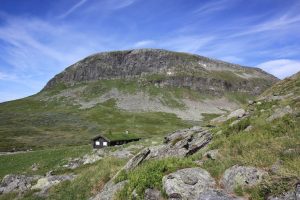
x=149 y=175
x=46 y=160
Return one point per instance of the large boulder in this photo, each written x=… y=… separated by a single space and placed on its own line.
x=16 y=183
x=109 y=190
x=241 y=176
x=187 y=183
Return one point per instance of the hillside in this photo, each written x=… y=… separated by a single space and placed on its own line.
x=250 y=153
x=149 y=92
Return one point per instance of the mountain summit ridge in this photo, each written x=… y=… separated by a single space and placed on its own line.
x=172 y=65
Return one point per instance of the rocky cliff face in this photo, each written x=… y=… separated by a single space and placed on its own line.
x=175 y=69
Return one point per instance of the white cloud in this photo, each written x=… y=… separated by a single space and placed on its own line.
x=72 y=9
x=144 y=43
x=213 y=6
x=281 y=68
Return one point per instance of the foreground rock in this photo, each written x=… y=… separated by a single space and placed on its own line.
x=178 y=144
x=109 y=191
x=187 y=183
x=290 y=195
x=238 y=114
x=216 y=195
x=241 y=176
x=152 y=194
x=45 y=183
x=16 y=183
x=280 y=112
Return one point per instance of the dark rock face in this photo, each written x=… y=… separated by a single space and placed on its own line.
x=181 y=70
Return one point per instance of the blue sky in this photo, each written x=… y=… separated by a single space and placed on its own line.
x=40 y=38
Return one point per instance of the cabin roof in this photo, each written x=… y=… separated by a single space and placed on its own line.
x=117 y=137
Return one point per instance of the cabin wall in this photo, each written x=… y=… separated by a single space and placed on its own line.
x=101 y=142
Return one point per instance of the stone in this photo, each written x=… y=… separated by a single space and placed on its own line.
x=181 y=143
x=109 y=190
x=187 y=183
x=216 y=195
x=234 y=122
x=34 y=167
x=258 y=103
x=16 y=183
x=121 y=154
x=212 y=154
x=280 y=112
x=293 y=194
x=86 y=159
x=241 y=176
x=249 y=128
x=137 y=159
x=276 y=166
x=45 y=183
x=237 y=114
x=251 y=102
x=152 y=194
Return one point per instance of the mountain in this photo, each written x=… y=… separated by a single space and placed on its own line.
x=250 y=153
x=146 y=91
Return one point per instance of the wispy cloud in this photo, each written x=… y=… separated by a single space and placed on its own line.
x=144 y=43
x=213 y=6
x=281 y=68
x=72 y=9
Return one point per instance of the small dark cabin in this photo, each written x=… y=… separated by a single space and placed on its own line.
x=101 y=141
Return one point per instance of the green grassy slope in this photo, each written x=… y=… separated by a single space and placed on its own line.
x=264 y=145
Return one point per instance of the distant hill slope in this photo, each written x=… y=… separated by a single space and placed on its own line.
x=148 y=92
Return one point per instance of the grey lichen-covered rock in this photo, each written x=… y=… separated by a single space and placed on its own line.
x=280 y=112
x=249 y=128
x=212 y=154
x=152 y=194
x=187 y=183
x=137 y=159
x=109 y=191
x=45 y=183
x=16 y=183
x=216 y=195
x=123 y=153
x=237 y=114
x=293 y=194
x=241 y=176
x=86 y=159
x=178 y=144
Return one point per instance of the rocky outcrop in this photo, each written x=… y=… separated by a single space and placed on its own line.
x=178 y=144
x=293 y=194
x=194 y=184
x=45 y=183
x=109 y=191
x=187 y=183
x=152 y=194
x=216 y=195
x=16 y=183
x=241 y=176
x=280 y=112
x=200 y=73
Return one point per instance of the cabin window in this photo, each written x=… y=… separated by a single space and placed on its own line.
x=104 y=143
x=97 y=143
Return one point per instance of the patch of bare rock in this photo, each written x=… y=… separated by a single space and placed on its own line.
x=23 y=183
x=243 y=176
